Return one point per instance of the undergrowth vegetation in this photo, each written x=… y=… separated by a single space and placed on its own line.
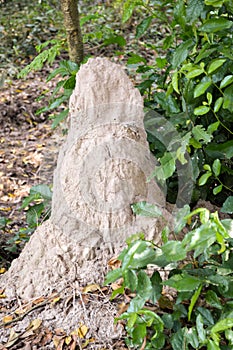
x=181 y=57
x=182 y=289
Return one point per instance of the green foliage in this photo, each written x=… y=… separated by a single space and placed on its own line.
x=64 y=88
x=37 y=205
x=25 y=24
x=46 y=56
x=191 y=85
x=199 y=270
x=3 y=222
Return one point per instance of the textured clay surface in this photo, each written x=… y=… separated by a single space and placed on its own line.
x=102 y=169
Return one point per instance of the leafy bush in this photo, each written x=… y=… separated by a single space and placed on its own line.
x=191 y=85
x=185 y=301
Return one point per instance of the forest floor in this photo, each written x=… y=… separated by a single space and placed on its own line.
x=27 y=155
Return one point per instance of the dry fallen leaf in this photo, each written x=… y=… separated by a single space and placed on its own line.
x=58 y=342
x=55 y=300
x=12 y=338
x=68 y=340
x=114 y=263
x=34 y=324
x=122 y=307
x=91 y=288
x=165 y=302
x=80 y=332
x=7 y=318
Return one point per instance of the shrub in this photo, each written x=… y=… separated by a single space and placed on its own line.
x=185 y=302
x=191 y=85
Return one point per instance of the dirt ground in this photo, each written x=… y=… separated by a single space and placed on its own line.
x=28 y=149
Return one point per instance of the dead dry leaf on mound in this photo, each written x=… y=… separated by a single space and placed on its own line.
x=18 y=336
x=91 y=288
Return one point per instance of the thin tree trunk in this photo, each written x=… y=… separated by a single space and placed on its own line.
x=73 y=30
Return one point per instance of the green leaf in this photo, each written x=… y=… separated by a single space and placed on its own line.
x=161 y=62
x=213 y=300
x=180 y=218
x=213 y=127
x=215 y=3
x=216 y=167
x=57 y=119
x=43 y=190
x=215 y=65
x=211 y=345
x=220 y=326
x=168 y=165
x=33 y=214
x=192 y=338
x=209 y=98
x=183 y=282
x=194 y=73
x=175 y=83
x=58 y=101
x=29 y=199
x=116 y=292
x=115 y=39
x=200 y=134
x=143 y=26
x=113 y=275
x=130 y=279
x=226 y=81
x=144 y=288
x=203 y=179
x=128 y=9
x=228 y=206
x=200 y=328
x=173 y=251
x=201 y=88
x=218 y=104
x=204 y=216
x=214 y=25
x=193 y=301
x=132 y=320
x=229 y=336
x=178 y=340
x=217 y=189
x=181 y=53
x=3 y=222
x=157 y=286
x=206 y=315
x=220 y=150
x=146 y=209
x=207 y=167
x=136 y=304
x=194 y=9
x=59 y=71
x=70 y=83
x=134 y=59
x=138 y=255
x=227 y=98
x=139 y=333
x=201 y=238
x=201 y=110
